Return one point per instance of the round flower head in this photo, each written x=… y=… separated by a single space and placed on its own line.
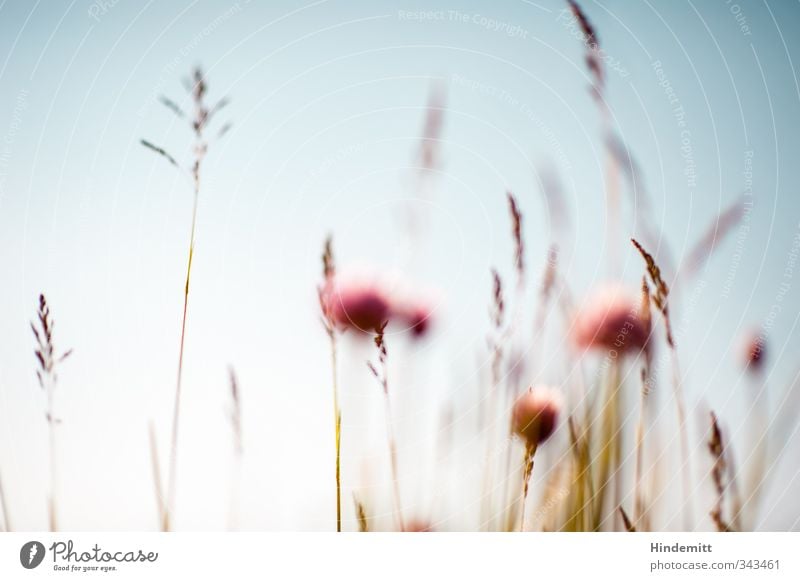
x=361 y=307
x=418 y=526
x=416 y=318
x=610 y=320
x=535 y=414
x=753 y=351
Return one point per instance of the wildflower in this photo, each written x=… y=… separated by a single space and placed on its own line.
x=753 y=351
x=418 y=526
x=535 y=415
x=611 y=320
x=416 y=317
x=364 y=308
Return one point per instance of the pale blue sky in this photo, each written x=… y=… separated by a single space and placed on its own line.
x=327 y=103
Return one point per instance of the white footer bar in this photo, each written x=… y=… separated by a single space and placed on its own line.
x=410 y=557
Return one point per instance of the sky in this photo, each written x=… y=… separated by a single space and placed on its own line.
x=328 y=101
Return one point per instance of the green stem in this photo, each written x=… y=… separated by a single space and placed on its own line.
x=337 y=418
x=173 y=456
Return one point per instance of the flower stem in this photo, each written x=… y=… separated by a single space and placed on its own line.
x=337 y=418
x=53 y=476
x=680 y=409
x=398 y=507
x=173 y=456
x=4 y=508
x=530 y=451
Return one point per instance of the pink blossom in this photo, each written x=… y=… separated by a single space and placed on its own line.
x=417 y=318
x=610 y=320
x=358 y=306
x=535 y=414
x=364 y=302
x=753 y=350
x=418 y=526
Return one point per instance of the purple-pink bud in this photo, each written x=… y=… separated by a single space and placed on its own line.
x=753 y=350
x=610 y=320
x=417 y=319
x=535 y=414
x=360 y=307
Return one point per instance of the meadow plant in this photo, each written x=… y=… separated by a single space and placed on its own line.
x=199 y=120
x=48 y=362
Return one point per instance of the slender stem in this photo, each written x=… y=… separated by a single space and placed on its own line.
x=159 y=491
x=491 y=415
x=4 y=508
x=682 y=428
x=398 y=507
x=53 y=476
x=756 y=470
x=383 y=378
x=494 y=395
x=173 y=457
x=236 y=481
x=507 y=507
x=638 y=500
x=530 y=450
x=609 y=452
x=640 y=520
x=337 y=418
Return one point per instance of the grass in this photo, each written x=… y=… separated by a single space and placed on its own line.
x=325 y=294
x=48 y=361
x=381 y=373
x=238 y=448
x=597 y=471
x=4 y=507
x=199 y=120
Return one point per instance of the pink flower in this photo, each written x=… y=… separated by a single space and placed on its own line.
x=418 y=526
x=535 y=414
x=753 y=350
x=364 y=302
x=610 y=320
x=417 y=318
x=357 y=306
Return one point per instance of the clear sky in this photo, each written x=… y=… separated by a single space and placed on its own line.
x=327 y=103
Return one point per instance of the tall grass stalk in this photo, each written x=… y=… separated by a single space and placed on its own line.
x=48 y=362
x=173 y=455
x=238 y=450
x=527 y=470
x=638 y=499
x=496 y=341
x=325 y=292
x=719 y=474
x=4 y=508
x=609 y=454
x=660 y=298
x=545 y=291
x=337 y=418
x=382 y=375
x=361 y=515
x=501 y=336
x=158 y=485
x=580 y=512
x=201 y=117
